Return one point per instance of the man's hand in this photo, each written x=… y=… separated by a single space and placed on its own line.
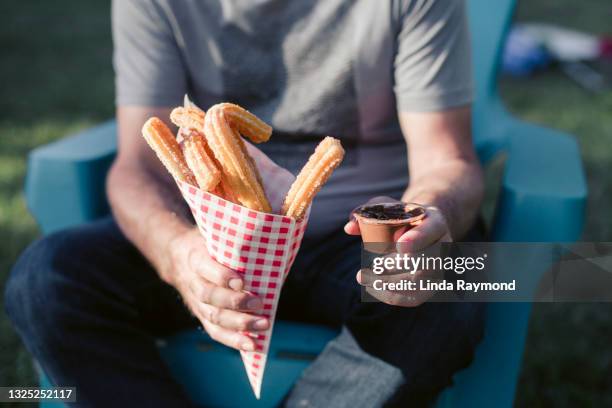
x=445 y=175
x=151 y=213
x=431 y=230
x=214 y=293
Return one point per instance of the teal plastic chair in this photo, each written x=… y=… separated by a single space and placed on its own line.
x=542 y=198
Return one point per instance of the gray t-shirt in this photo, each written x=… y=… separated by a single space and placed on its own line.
x=309 y=68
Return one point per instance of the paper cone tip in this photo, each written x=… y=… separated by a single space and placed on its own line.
x=256 y=386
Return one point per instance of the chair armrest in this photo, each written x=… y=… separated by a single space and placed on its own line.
x=65 y=179
x=543 y=194
x=542 y=198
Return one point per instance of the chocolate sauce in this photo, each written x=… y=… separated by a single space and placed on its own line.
x=389 y=211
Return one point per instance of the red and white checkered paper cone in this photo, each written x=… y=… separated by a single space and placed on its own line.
x=259 y=246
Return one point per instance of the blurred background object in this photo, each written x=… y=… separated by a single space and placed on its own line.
x=57 y=79
x=532 y=47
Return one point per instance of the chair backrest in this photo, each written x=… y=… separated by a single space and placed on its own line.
x=489 y=23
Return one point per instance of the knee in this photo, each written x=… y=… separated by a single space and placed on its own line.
x=34 y=288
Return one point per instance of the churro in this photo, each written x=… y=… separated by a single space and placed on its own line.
x=224 y=190
x=207 y=162
x=200 y=160
x=327 y=156
x=247 y=124
x=164 y=144
x=222 y=123
x=215 y=157
x=188 y=118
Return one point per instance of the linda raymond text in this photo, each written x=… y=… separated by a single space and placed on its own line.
x=444 y=285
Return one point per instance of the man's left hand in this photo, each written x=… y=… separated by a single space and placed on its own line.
x=431 y=230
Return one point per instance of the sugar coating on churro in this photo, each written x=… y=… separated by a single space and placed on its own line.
x=188 y=118
x=247 y=124
x=230 y=152
x=200 y=160
x=164 y=144
x=222 y=188
x=326 y=158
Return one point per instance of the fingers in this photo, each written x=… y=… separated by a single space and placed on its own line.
x=398 y=297
x=431 y=230
x=213 y=271
x=391 y=297
x=228 y=337
x=211 y=294
x=226 y=326
x=352 y=228
x=232 y=320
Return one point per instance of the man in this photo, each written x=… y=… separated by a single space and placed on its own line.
x=88 y=302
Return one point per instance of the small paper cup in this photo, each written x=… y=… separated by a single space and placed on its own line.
x=376 y=231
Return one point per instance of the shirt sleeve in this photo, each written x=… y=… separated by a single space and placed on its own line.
x=432 y=65
x=149 y=69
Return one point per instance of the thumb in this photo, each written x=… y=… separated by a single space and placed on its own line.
x=352 y=228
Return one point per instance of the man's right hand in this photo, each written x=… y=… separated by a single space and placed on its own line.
x=151 y=213
x=214 y=293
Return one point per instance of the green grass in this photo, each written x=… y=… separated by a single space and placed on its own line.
x=57 y=78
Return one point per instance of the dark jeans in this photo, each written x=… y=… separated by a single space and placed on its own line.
x=88 y=306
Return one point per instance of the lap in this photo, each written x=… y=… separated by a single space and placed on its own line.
x=321 y=286
x=94 y=266
x=97 y=262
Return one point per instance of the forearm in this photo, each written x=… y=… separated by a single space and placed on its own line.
x=149 y=211
x=443 y=166
x=455 y=187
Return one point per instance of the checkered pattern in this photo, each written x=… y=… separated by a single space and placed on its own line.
x=260 y=246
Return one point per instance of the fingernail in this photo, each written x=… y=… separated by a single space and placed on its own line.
x=261 y=324
x=235 y=284
x=359 y=277
x=247 y=346
x=254 y=304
